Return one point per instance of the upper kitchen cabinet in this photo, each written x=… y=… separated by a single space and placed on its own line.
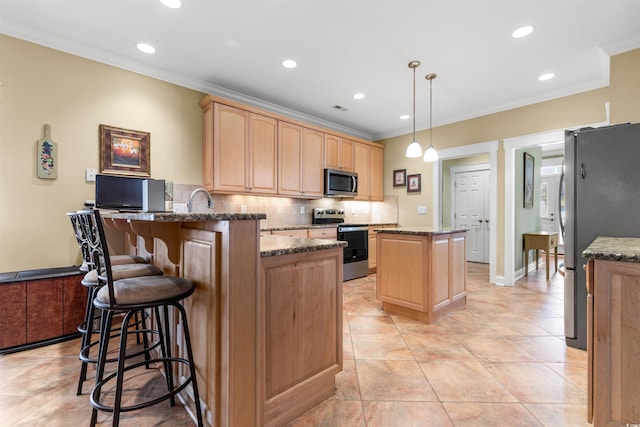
x=300 y=158
x=338 y=153
x=368 y=164
x=239 y=151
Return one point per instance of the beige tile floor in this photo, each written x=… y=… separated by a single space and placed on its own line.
x=501 y=361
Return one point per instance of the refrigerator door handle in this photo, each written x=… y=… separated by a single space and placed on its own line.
x=560 y=194
x=569 y=302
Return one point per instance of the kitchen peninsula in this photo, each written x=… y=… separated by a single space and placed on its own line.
x=247 y=317
x=421 y=271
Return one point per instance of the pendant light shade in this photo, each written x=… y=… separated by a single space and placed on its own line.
x=431 y=155
x=414 y=150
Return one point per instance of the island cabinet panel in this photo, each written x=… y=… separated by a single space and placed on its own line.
x=405 y=263
x=615 y=349
x=200 y=250
x=420 y=274
x=301 y=331
x=44 y=309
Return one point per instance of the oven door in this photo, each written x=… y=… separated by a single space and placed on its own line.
x=357 y=243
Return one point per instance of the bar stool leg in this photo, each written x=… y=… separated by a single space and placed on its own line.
x=192 y=365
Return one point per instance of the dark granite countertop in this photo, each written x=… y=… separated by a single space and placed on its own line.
x=625 y=249
x=182 y=217
x=271 y=245
x=421 y=230
x=305 y=226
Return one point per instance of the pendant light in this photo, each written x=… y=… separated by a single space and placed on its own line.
x=431 y=155
x=414 y=149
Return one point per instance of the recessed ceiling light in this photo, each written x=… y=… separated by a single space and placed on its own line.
x=404 y=117
x=146 y=48
x=358 y=96
x=289 y=63
x=522 y=31
x=547 y=76
x=172 y=4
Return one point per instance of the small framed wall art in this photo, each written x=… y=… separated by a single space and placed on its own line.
x=125 y=152
x=47 y=156
x=400 y=178
x=528 y=180
x=414 y=183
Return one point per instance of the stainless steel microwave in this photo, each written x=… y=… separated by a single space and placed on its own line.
x=339 y=183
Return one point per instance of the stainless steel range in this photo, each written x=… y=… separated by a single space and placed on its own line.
x=356 y=254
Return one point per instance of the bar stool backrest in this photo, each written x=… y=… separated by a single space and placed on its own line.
x=93 y=243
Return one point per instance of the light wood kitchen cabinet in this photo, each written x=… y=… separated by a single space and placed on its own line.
x=372 y=248
x=239 y=151
x=368 y=164
x=421 y=274
x=300 y=159
x=300 y=331
x=323 y=233
x=613 y=342
x=338 y=153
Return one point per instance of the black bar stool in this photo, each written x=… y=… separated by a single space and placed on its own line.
x=127 y=297
x=124 y=266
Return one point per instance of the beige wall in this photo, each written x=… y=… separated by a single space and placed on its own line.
x=75 y=96
x=566 y=112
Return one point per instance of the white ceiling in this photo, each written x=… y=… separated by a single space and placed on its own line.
x=234 y=48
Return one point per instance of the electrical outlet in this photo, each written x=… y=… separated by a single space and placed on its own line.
x=302 y=210
x=180 y=208
x=243 y=208
x=422 y=210
x=90 y=175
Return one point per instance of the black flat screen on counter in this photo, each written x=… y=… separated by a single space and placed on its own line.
x=118 y=192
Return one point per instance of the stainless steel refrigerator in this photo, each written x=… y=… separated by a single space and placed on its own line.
x=602 y=198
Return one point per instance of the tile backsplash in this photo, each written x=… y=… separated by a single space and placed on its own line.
x=283 y=211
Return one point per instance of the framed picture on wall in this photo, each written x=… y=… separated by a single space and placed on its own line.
x=400 y=178
x=124 y=152
x=414 y=183
x=528 y=180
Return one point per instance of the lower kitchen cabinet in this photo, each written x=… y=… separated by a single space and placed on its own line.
x=613 y=342
x=37 y=311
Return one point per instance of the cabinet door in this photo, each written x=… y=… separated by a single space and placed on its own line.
x=440 y=279
x=44 y=309
x=289 y=159
x=323 y=233
x=338 y=153
x=74 y=301
x=372 y=250
x=13 y=321
x=376 y=174
x=458 y=266
x=361 y=167
x=312 y=172
x=230 y=145
x=263 y=161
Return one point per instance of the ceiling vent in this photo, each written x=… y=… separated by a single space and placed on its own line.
x=339 y=108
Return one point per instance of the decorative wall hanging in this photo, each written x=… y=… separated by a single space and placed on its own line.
x=47 y=156
x=125 y=152
x=400 y=178
x=414 y=183
x=528 y=180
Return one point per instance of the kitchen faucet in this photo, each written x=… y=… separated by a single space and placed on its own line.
x=196 y=191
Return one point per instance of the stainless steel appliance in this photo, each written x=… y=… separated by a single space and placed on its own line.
x=602 y=198
x=339 y=183
x=356 y=254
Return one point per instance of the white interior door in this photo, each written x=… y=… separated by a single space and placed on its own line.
x=471 y=211
x=549 y=209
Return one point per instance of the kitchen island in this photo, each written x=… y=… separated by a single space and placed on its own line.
x=421 y=271
x=613 y=331
x=232 y=345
